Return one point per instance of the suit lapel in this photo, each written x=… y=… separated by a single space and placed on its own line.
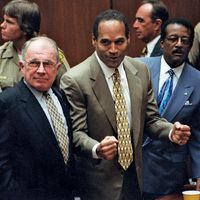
x=37 y=116
x=104 y=97
x=136 y=98
x=155 y=76
x=157 y=51
x=180 y=95
x=102 y=92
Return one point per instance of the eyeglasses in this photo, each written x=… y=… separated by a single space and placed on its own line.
x=175 y=38
x=35 y=64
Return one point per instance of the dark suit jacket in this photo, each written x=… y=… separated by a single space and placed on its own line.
x=157 y=51
x=165 y=164
x=30 y=158
x=93 y=118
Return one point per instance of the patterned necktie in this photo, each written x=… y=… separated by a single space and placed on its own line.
x=58 y=124
x=165 y=92
x=125 y=151
x=144 y=52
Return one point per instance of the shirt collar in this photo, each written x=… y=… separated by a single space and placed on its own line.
x=36 y=93
x=165 y=68
x=108 y=72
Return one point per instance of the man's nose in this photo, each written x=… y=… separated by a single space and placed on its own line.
x=135 y=24
x=2 y=25
x=179 y=41
x=41 y=68
x=113 y=48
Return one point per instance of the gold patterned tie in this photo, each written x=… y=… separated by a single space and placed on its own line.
x=58 y=124
x=125 y=151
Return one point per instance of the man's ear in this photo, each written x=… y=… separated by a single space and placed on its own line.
x=58 y=66
x=129 y=38
x=158 y=23
x=161 y=43
x=94 y=40
x=21 y=65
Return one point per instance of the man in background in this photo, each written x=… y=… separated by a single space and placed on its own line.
x=194 y=55
x=165 y=168
x=21 y=22
x=149 y=18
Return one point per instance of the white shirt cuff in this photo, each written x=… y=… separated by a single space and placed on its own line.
x=94 y=151
x=170 y=135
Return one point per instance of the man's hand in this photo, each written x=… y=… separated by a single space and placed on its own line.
x=198 y=184
x=107 y=148
x=180 y=133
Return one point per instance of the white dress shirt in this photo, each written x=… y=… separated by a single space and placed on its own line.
x=164 y=73
x=108 y=72
x=41 y=100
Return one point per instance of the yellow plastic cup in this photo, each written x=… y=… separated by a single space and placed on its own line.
x=191 y=195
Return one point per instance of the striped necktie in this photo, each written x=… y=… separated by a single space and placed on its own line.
x=125 y=151
x=59 y=127
x=165 y=92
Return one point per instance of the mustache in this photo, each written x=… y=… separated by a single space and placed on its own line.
x=178 y=50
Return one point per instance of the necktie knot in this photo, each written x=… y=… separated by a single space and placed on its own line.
x=171 y=72
x=144 y=51
x=116 y=75
x=46 y=95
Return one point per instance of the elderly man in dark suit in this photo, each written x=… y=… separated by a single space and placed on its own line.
x=164 y=164
x=109 y=141
x=35 y=154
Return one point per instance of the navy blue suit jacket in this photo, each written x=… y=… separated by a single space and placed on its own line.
x=164 y=163
x=30 y=158
x=157 y=50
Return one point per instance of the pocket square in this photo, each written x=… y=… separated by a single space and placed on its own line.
x=188 y=103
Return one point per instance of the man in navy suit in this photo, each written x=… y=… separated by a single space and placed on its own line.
x=149 y=18
x=32 y=165
x=164 y=164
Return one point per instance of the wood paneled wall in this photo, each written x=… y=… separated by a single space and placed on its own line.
x=69 y=22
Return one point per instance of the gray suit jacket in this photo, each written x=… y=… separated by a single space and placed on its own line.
x=93 y=118
x=165 y=168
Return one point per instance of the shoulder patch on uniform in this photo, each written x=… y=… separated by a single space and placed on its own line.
x=61 y=56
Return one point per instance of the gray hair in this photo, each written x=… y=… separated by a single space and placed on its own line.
x=51 y=42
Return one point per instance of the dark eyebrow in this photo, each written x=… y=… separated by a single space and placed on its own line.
x=139 y=19
x=9 y=21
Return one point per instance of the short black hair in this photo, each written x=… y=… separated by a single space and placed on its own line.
x=179 y=21
x=110 y=15
x=27 y=14
x=159 y=10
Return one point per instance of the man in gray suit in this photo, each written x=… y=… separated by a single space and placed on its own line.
x=89 y=89
x=165 y=164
